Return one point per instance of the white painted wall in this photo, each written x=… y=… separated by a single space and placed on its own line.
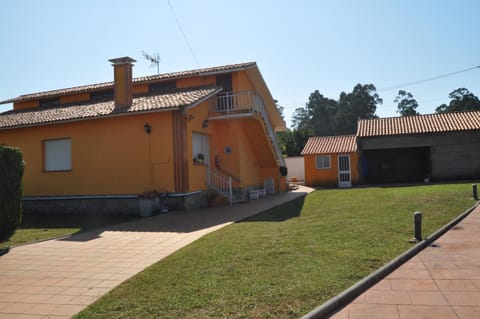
x=296 y=167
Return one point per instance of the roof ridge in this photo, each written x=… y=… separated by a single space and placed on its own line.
x=325 y=136
x=142 y=79
x=418 y=115
x=420 y=124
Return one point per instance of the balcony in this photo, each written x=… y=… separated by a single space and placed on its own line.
x=246 y=104
x=240 y=104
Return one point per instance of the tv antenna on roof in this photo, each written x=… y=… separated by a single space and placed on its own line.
x=153 y=58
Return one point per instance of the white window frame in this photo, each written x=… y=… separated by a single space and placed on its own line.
x=57 y=155
x=320 y=162
x=201 y=145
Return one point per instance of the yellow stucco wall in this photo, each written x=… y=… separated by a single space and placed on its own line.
x=241 y=82
x=25 y=105
x=109 y=156
x=328 y=177
x=75 y=98
x=114 y=156
x=140 y=89
x=196 y=81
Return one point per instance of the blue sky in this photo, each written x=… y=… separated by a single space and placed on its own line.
x=299 y=46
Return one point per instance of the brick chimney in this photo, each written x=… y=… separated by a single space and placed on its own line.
x=122 y=77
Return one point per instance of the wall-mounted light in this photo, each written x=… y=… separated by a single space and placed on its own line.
x=205 y=124
x=190 y=117
x=147 y=128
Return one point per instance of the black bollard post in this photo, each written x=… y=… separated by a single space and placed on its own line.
x=417 y=217
x=474 y=190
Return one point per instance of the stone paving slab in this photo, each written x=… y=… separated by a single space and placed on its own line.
x=58 y=278
x=442 y=281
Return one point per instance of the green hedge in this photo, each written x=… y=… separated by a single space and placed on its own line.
x=11 y=172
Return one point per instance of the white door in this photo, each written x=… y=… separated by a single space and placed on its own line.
x=344 y=173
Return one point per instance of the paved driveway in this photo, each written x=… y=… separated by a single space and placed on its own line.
x=441 y=282
x=58 y=278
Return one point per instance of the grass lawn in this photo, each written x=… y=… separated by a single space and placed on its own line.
x=286 y=261
x=43 y=227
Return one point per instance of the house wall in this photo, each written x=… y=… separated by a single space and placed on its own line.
x=296 y=168
x=454 y=155
x=25 y=105
x=195 y=118
x=115 y=156
x=241 y=82
x=328 y=177
x=112 y=156
x=196 y=81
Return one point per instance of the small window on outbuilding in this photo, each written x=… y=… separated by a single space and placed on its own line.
x=322 y=161
x=57 y=155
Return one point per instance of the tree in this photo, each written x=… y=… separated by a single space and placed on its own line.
x=11 y=172
x=300 y=118
x=406 y=104
x=292 y=142
x=361 y=103
x=461 y=99
x=280 y=109
x=321 y=114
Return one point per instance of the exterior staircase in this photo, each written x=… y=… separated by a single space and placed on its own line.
x=222 y=185
x=247 y=103
x=237 y=105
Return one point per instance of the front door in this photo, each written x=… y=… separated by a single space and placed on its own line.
x=344 y=172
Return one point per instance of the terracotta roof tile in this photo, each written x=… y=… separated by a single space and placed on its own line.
x=139 y=80
x=330 y=144
x=161 y=101
x=417 y=124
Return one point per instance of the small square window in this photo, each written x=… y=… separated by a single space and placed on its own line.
x=322 y=162
x=57 y=155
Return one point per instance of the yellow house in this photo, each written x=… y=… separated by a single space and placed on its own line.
x=331 y=161
x=187 y=134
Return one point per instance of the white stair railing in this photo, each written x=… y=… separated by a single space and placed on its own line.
x=271 y=133
x=220 y=183
x=248 y=101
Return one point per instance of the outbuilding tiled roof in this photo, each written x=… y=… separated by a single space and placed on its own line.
x=148 y=103
x=330 y=144
x=139 y=80
x=418 y=124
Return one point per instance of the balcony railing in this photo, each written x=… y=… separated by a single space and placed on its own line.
x=237 y=103
x=247 y=103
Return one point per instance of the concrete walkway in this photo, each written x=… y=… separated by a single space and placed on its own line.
x=58 y=278
x=441 y=282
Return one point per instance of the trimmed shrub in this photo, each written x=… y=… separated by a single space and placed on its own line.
x=11 y=172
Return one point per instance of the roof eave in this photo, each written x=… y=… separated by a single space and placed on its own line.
x=91 y=118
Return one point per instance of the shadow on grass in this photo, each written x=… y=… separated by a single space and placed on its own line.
x=281 y=213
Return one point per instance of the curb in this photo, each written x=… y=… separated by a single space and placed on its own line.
x=341 y=300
